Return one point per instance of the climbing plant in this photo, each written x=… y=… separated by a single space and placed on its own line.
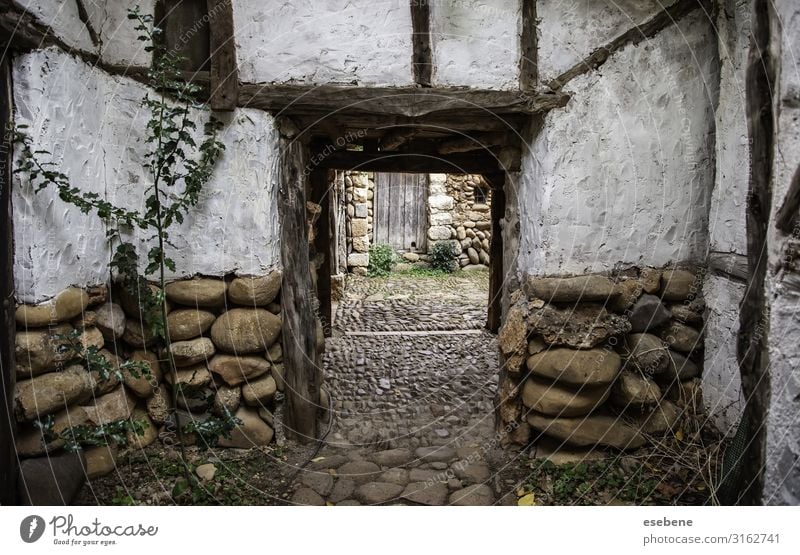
x=178 y=167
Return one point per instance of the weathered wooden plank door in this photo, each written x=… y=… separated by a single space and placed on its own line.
x=400 y=210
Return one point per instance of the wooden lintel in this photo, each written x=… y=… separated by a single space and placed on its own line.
x=341 y=100
x=395 y=138
x=480 y=141
x=408 y=162
x=224 y=72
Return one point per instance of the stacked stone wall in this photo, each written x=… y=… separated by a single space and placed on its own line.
x=607 y=361
x=226 y=343
x=359 y=195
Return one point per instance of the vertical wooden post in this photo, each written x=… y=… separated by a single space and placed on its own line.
x=751 y=348
x=224 y=75
x=321 y=183
x=528 y=51
x=422 y=60
x=303 y=376
x=498 y=209
x=8 y=452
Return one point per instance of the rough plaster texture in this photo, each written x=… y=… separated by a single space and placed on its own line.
x=93 y=124
x=782 y=477
x=727 y=232
x=118 y=43
x=721 y=381
x=363 y=42
x=475 y=43
x=62 y=17
x=624 y=173
x=570 y=30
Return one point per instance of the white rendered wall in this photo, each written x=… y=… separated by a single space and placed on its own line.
x=722 y=384
x=782 y=474
x=348 y=42
x=62 y=17
x=570 y=30
x=94 y=124
x=118 y=42
x=475 y=43
x=624 y=173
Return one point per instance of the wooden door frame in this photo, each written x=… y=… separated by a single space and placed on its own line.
x=8 y=454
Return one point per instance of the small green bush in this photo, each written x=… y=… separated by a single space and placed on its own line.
x=381 y=258
x=444 y=256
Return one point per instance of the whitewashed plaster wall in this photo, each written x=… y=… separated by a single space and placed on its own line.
x=62 y=16
x=782 y=477
x=475 y=43
x=117 y=42
x=624 y=172
x=722 y=384
x=570 y=30
x=727 y=222
x=116 y=33
x=349 y=42
x=93 y=124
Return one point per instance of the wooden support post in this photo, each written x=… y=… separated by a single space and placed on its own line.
x=321 y=182
x=752 y=341
x=528 y=71
x=224 y=72
x=422 y=61
x=497 y=271
x=8 y=452
x=299 y=320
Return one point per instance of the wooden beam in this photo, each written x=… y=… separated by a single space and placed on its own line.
x=395 y=138
x=409 y=162
x=299 y=320
x=745 y=485
x=498 y=209
x=321 y=182
x=339 y=100
x=729 y=264
x=422 y=58
x=476 y=142
x=786 y=219
x=224 y=71
x=529 y=54
x=8 y=451
x=666 y=17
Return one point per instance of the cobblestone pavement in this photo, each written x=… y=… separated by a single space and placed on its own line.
x=412 y=376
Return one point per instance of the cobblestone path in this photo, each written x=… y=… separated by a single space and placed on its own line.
x=412 y=376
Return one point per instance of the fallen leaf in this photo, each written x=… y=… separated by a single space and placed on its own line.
x=526 y=500
x=679 y=435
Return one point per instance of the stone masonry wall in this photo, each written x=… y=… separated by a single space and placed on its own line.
x=359 y=195
x=601 y=360
x=226 y=343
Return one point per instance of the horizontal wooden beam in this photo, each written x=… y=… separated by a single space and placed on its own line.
x=406 y=162
x=476 y=142
x=401 y=101
x=730 y=265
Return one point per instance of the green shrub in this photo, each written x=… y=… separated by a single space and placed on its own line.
x=444 y=256
x=381 y=258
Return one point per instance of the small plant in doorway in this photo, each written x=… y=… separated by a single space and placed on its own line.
x=381 y=258
x=444 y=256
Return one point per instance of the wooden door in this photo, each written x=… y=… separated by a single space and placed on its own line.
x=401 y=210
